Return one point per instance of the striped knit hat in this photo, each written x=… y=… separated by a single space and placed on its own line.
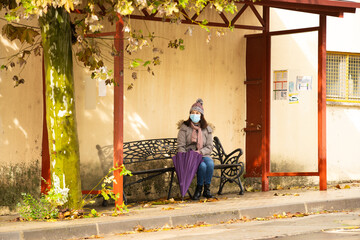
x=198 y=106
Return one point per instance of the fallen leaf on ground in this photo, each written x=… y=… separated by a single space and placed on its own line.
x=167 y=209
x=139 y=228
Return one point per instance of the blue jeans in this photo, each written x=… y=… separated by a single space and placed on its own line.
x=205 y=171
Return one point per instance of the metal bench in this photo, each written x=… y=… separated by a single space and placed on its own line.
x=137 y=152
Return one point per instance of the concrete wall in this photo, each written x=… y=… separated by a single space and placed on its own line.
x=20 y=126
x=343 y=126
x=294 y=126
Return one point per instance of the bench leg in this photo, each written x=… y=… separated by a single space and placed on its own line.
x=171 y=181
x=242 y=190
x=124 y=198
x=189 y=194
x=222 y=183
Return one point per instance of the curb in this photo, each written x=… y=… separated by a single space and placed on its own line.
x=99 y=228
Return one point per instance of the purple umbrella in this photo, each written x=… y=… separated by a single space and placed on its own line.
x=186 y=165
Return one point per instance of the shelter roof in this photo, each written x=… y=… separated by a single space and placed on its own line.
x=327 y=7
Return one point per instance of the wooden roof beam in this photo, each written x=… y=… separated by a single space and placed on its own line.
x=223 y=17
x=211 y=24
x=237 y=16
x=257 y=14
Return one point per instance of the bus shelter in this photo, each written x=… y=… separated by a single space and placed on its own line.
x=258 y=84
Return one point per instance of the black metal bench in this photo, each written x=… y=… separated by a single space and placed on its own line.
x=136 y=152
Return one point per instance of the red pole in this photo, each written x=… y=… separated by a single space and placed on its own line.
x=266 y=105
x=45 y=156
x=322 y=104
x=118 y=110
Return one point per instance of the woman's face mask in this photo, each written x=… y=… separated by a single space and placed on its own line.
x=195 y=118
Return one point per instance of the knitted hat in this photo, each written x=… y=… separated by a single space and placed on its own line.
x=198 y=106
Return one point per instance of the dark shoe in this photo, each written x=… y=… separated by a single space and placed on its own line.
x=206 y=192
x=197 y=193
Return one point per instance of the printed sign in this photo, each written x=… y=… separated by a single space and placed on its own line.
x=303 y=83
x=293 y=98
x=280 y=85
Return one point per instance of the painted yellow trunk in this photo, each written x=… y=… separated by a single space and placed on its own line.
x=60 y=105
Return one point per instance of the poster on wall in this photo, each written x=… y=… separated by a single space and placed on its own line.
x=280 y=84
x=293 y=98
x=303 y=83
x=102 y=88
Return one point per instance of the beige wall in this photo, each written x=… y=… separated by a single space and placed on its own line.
x=20 y=126
x=343 y=129
x=294 y=126
x=20 y=109
x=343 y=134
x=213 y=71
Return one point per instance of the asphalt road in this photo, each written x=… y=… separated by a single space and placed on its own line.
x=342 y=225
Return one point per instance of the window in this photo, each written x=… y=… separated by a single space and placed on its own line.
x=343 y=77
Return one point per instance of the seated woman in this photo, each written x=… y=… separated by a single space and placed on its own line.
x=196 y=135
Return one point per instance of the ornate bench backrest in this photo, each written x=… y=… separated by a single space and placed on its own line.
x=218 y=151
x=146 y=150
x=154 y=149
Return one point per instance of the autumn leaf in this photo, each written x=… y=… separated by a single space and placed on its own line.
x=9 y=31
x=29 y=35
x=21 y=61
x=134 y=75
x=37 y=51
x=167 y=209
x=139 y=228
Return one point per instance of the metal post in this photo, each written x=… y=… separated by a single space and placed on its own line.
x=118 y=110
x=45 y=156
x=266 y=105
x=322 y=103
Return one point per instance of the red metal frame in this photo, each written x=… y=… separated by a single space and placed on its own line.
x=322 y=103
x=322 y=171
x=266 y=103
x=118 y=110
x=45 y=155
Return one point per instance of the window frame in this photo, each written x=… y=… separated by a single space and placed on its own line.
x=343 y=97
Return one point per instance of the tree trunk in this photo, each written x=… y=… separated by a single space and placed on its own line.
x=60 y=104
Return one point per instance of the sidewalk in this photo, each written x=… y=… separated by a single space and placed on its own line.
x=228 y=206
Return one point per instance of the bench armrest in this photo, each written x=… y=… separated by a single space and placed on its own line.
x=233 y=157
